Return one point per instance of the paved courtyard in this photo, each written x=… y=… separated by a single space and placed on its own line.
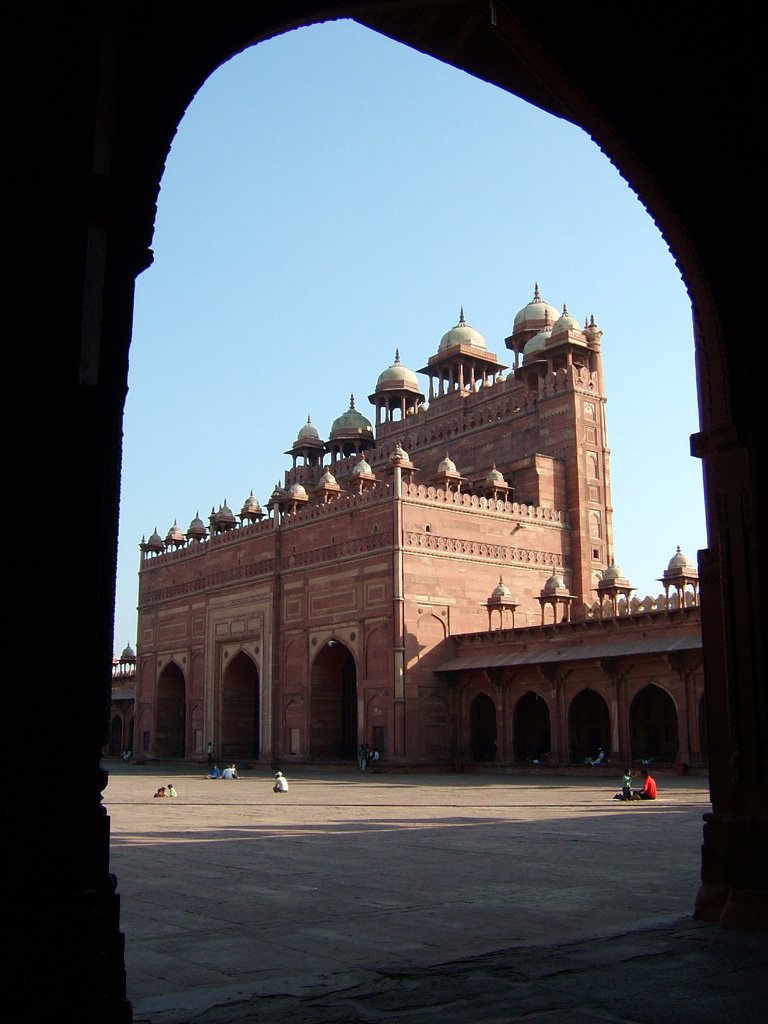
x=415 y=898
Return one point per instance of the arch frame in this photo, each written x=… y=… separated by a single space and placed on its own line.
x=97 y=143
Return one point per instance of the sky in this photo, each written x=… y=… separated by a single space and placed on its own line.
x=332 y=196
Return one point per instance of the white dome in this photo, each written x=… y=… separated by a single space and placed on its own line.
x=461 y=334
x=535 y=315
x=446 y=466
x=396 y=374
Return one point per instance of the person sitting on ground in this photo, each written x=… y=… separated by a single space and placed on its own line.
x=215 y=773
x=626 y=786
x=281 y=783
x=229 y=772
x=596 y=760
x=161 y=792
x=649 y=790
x=171 y=791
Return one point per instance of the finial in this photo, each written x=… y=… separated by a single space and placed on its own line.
x=565 y=310
x=536 y=295
x=397 y=357
x=351 y=401
x=309 y=420
x=461 y=316
x=592 y=320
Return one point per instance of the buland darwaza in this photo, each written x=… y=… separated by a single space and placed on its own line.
x=441 y=586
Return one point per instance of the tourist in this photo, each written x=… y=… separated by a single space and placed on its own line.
x=230 y=772
x=281 y=783
x=215 y=773
x=161 y=792
x=171 y=791
x=596 y=760
x=649 y=790
x=362 y=756
x=626 y=786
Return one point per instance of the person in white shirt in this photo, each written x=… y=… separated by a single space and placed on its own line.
x=281 y=783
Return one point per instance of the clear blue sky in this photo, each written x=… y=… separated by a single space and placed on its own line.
x=331 y=196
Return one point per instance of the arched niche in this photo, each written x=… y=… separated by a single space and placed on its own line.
x=240 y=708
x=653 y=725
x=170 y=713
x=589 y=726
x=333 y=703
x=532 y=736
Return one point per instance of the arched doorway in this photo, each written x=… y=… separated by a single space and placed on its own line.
x=589 y=726
x=702 y=206
x=240 y=709
x=333 y=704
x=170 y=705
x=531 y=729
x=653 y=725
x=482 y=728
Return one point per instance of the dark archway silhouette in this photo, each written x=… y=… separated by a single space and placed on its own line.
x=589 y=726
x=653 y=725
x=124 y=74
x=482 y=728
x=170 y=716
x=240 y=709
x=532 y=729
x=333 y=704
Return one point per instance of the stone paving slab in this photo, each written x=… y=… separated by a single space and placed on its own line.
x=410 y=898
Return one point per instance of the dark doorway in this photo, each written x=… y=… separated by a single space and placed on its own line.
x=333 y=704
x=240 y=709
x=532 y=735
x=653 y=725
x=588 y=725
x=170 y=731
x=482 y=719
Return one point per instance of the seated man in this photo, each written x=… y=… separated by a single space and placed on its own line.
x=596 y=760
x=649 y=791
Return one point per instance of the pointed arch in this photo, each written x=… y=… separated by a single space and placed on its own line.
x=170 y=712
x=483 y=728
x=532 y=735
x=333 y=703
x=240 y=708
x=653 y=725
x=589 y=726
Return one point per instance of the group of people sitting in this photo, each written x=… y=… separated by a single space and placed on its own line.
x=365 y=755
x=165 y=791
x=230 y=772
x=648 y=791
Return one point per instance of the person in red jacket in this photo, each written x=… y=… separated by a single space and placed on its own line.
x=648 y=792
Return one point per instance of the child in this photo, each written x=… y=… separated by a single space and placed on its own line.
x=626 y=786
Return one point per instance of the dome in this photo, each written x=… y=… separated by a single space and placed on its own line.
x=554 y=583
x=251 y=506
x=613 y=572
x=535 y=315
x=327 y=479
x=461 y=334
x=362 y=467
x=495 y=477
x=174 y=535
x=297 y=491
x=308 y=432
x=224 y=516
x=196 y=529
x=446 y=466
x=128 y=654
x=537 y=343
x=155 y=542
x=351 y=421
x=500 y=591
x=566 y=323
x=679 y=561
x=396 y=374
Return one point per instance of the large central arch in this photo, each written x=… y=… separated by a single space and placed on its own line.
x=93 y=150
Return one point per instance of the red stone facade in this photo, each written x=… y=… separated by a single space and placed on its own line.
x=337 y=616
